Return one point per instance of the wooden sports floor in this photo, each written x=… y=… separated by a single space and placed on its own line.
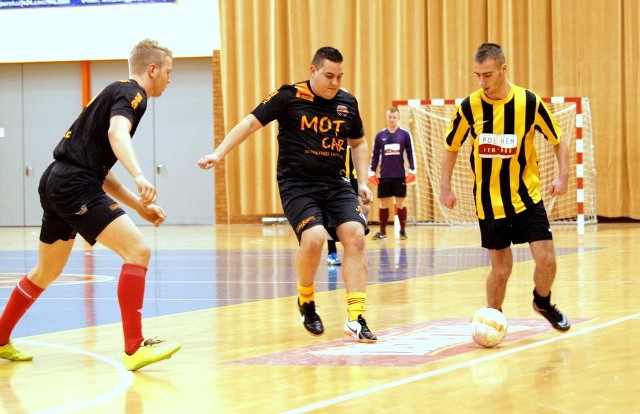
x=227 y=293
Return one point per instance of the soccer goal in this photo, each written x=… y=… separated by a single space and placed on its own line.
x=428 y=120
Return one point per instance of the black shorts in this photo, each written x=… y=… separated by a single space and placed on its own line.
x=526 y=227
x=327 y=203
x=74 y=202
x=392 y=187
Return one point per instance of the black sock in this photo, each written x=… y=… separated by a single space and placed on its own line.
x=542 y=301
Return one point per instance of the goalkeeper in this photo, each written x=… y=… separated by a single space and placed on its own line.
x=501 y=120
x=393 y=147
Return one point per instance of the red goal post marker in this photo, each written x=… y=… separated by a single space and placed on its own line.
x=579 y=155
x=579 y=141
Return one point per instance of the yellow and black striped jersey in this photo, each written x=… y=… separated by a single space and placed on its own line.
x=504 y=159
x=350 y=169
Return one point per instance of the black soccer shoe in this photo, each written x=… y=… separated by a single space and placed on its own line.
x=556 y=318
x=310 y=318
x=359 y=330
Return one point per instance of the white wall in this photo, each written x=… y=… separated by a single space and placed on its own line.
x=190 y=28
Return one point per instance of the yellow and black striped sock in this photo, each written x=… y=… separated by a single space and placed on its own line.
x=305 y=293
x=355 y=304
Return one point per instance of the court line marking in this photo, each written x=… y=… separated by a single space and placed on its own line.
x=408 y=380
x=126 y=379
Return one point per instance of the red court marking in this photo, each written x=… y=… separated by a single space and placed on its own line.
x=410 y=345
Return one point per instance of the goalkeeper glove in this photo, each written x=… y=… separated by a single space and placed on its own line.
x=411 y=177
x=373 y=179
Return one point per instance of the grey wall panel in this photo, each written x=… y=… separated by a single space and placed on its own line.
x=183 y=133
x=11 y=146
x=52 y=101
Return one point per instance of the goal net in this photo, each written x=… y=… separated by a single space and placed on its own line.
x=428 y=120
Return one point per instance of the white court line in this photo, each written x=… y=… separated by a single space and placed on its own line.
x=126 y=379
x=455 y=367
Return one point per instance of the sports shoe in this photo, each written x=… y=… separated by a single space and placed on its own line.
x=150 y=351
x=310 y=318
x=11 y=353
x=359 y=330
x=333 y=260
x=556 y=318
x=380 y=236
x=403 y=235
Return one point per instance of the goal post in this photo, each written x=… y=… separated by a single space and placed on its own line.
x=427 y=120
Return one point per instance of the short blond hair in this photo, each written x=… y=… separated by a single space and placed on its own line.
x=146 y=52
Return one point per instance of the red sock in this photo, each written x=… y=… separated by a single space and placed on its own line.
x=384 y=218
x=130 y=299
x=402 y=217
x=21 y=299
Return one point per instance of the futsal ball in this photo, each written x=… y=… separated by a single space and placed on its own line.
x=488 y=327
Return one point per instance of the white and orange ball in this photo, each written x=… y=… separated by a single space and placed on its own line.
x=488 y=327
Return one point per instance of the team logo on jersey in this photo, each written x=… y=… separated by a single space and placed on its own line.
x=114 y=206
x=342 y=110
x=136 y=100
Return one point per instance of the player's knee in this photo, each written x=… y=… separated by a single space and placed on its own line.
x=139 y=253
x=501 y=273
x=547 y=264
x=313 y=239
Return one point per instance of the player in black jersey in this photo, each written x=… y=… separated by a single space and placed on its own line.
x=75 y=193
x=317 y=120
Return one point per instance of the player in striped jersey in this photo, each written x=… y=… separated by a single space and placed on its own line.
x=501 y=119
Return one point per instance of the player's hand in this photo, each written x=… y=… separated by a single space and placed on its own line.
x=410 y=178
x=146 y=190
x=558 y=187
x=448 y=199
x=209 y=161
x=153 y=214
x=365 y=195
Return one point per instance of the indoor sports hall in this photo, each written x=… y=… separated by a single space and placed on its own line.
x=222 y=280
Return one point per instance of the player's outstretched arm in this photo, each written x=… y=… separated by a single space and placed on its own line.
x=235 y=137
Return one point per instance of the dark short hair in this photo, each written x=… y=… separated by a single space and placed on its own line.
x=487 y=51
x=326 y=53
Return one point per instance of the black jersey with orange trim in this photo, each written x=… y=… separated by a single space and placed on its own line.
x=312 y=131
x=504 y=159
x=86 y=143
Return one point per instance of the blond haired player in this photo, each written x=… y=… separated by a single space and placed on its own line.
x=75 y=193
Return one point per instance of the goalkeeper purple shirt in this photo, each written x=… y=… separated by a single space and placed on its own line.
x=388 y=151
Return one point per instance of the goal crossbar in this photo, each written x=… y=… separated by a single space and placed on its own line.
x=427 y=120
